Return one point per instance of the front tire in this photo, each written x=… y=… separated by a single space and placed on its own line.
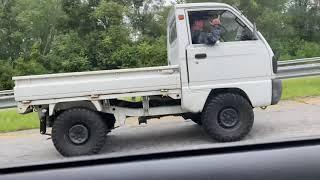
x=227 y=117
x=79 y=131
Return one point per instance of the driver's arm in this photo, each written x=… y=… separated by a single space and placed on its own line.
x=214 y=35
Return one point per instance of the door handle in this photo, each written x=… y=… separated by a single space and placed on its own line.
x=201 y=56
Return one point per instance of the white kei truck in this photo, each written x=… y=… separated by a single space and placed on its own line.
x=216 y=86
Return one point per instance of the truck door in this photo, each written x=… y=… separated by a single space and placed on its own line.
x=239 y=56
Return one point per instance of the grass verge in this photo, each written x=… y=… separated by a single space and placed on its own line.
x=301 y=87
x=10 y=120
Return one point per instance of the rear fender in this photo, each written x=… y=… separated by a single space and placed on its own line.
x=92 y=105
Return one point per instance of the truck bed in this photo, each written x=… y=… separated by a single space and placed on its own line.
x=79 y=84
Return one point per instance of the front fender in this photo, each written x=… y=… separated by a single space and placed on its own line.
x=258 y=92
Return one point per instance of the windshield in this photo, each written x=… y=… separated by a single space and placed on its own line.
x=92 y=76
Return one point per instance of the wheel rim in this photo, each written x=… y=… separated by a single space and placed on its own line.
x=228 y=118
x=78 y=134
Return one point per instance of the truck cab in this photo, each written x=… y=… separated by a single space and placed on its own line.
x=242 y=62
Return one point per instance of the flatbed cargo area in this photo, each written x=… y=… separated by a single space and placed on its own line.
x=55 y=86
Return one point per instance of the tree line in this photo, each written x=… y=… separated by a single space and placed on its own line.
x=53 y=36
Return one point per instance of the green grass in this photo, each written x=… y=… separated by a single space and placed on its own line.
x=302 y=87
x=10 y=120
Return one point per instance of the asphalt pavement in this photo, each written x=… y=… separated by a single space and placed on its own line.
x=286 y=121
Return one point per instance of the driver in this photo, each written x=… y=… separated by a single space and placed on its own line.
x=196 y=31
x=198 y=34
x=215 y=31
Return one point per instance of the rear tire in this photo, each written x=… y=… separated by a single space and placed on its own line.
x=109 y=119
x=227 y=117
x=79 y=131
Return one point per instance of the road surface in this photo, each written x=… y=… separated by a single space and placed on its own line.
x=288 y=120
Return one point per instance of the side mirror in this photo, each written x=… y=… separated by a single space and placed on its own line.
x=276 y=54
x=255 y=32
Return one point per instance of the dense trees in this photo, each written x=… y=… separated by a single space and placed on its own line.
x=50 y=36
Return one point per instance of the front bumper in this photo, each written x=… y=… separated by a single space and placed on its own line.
x=276 y=91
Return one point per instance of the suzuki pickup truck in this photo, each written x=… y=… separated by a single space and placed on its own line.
x=216 y=86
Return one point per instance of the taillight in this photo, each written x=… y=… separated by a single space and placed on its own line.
x=275 y=64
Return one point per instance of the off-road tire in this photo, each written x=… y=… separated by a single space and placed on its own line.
x=216 y=106
x=97 y=130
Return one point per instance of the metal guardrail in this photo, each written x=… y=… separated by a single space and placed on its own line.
x=298 y=61
x=286 y=69
x=7 y=99
x=298 y=68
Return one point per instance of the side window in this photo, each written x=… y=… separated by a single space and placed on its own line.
x=173 y=32
x=219 y=24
